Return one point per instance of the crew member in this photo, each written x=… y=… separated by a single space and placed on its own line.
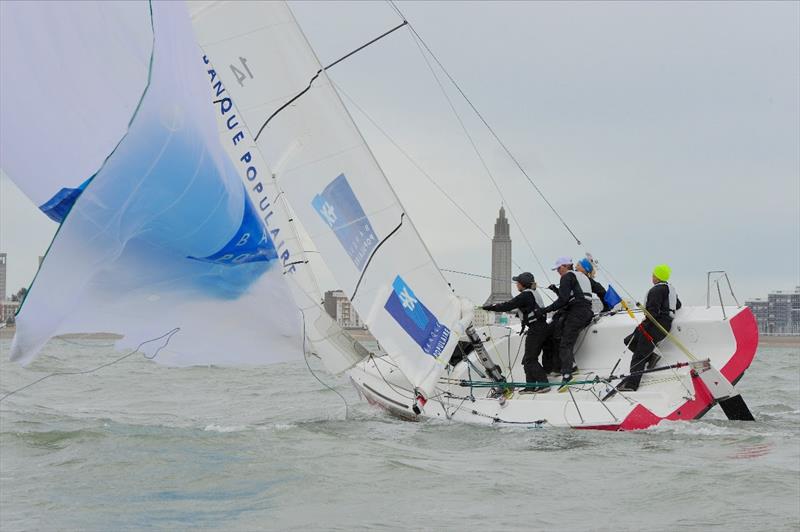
x=550 y=352
x=526 y=303
x=550 y=359
x=586 y=267
x=575 y=297
x=662 y=302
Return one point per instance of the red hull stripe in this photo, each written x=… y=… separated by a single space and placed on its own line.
x=745 y=331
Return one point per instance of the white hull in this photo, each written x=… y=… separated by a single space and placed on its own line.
x=673 y=394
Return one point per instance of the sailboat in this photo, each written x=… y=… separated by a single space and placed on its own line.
x=300 y=181
x=338 y=192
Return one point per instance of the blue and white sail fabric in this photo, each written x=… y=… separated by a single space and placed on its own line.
x=333 y=183
x=164 y=236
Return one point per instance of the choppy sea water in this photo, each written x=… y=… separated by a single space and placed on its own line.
x=137 y=446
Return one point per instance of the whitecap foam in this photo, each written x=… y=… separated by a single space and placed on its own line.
x=693 y=428
x=222 y=428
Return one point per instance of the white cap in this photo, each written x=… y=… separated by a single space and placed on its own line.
x=561 y=261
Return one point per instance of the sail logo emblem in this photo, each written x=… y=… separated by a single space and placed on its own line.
x=339 y=208
x=251 y=243
x=415 y=318
x=328 y=213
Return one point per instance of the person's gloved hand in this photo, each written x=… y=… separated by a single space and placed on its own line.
x=487 y=307
x=553 y=287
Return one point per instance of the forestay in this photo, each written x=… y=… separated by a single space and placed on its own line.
x=163 y=241
x=333 y=183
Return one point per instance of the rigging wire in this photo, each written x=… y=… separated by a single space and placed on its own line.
x=496 y=137
x=389 y=384
x=469 y=274
x=168 y=335
x=488 y=127
x=416 y=165
x=475 y=147
x=305 y=358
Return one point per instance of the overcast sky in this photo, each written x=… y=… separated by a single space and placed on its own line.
x=662 y=132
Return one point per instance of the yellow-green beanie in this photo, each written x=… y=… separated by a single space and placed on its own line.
x=662 y=272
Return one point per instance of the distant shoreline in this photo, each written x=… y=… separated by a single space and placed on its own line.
x=8 y=332
x=789 y=341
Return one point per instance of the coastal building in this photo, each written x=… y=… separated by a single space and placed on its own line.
x=779 y=314
x=7 y=311
x=482 y=318
x=339 y=307
x=760 y=309
x=3 y=259
x=501 y=261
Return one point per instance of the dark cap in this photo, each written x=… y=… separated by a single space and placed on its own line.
x=525 y=278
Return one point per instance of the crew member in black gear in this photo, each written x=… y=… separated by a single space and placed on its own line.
x=550 y=354
x=662 y=302
x=526 y=303
x=551 y=362
x=585 y=266
x=575 y=297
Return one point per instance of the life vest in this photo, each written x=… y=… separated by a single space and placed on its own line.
x=523 y=318
x=585 y=284
x=672 y=299
x=536 y=296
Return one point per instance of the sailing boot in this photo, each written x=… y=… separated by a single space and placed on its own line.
x=653 y=361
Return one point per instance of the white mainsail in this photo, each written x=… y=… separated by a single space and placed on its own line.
x=333 y=183
x=163 y=245
x=334 y=346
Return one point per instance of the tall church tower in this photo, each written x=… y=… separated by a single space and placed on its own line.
x=501 y=261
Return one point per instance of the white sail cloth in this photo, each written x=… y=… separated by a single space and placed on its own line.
x=163 y=237
x=72 y=76
x=334 y=185
x=334 y=346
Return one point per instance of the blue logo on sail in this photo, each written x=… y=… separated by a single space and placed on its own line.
x=251 y=243
x=340 y=209
x=416 y=319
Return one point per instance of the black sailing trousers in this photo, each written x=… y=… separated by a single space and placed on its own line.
x=538 y=334
x=576 y=318
x=642 y=348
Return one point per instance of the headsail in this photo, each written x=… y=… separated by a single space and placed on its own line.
x=335 y=347
x=164 y=236
x=333 y=183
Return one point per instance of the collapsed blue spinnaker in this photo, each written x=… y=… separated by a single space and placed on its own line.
x=158 y=233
